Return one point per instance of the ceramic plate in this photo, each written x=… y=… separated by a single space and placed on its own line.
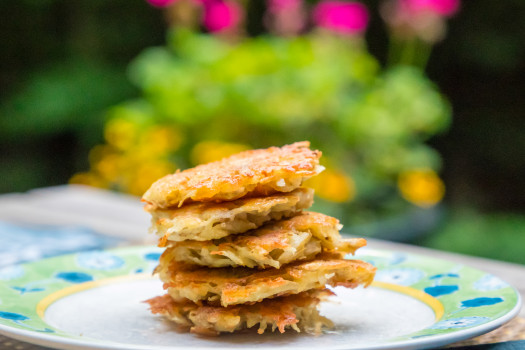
x=92 y=300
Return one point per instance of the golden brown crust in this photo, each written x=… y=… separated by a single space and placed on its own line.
x=206 y=221
x=298 y=312
x=229 y=286
x=256 y=173
x=273 y=245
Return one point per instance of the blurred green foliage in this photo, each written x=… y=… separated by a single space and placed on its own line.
x=288 y=86
x=51 y=101
x=62 y=65
x=467 y=231
x=371 y=123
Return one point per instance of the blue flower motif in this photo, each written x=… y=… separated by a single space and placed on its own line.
x=460 y=322
x=421 y=336
x=152 y=256
x=482 y=301
x=19 y=318
x=13 y=316
x=488 y=283
x=98 y=260
x=397 y=259
x=438 y=291
x=74 y=277
x=24 y=290
x=442 y=275
x=11 y=272
x=45 y=330
x=404 y=276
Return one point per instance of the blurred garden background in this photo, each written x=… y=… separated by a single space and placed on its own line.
x=417 y=105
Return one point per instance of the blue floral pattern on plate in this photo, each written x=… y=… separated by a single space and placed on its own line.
x=437 y=291
x=19 y=319
x=489 y=283
x=99 y=260
x=404 y=276
x=481 y=301
x=74 y=277
x=11 y=272
x=460 y=322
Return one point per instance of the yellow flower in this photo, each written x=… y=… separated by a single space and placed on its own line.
x=422 y=187
x=209 y=151
x=147 y=173
x=333 y=185
x=98 y=152
x=109 y=167
x=88 y=179
x=160 y=139
x=121 y=133
x=105 y=162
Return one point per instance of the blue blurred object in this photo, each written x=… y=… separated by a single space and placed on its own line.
x=28 y=243
x=415 y=223
x=510 y=345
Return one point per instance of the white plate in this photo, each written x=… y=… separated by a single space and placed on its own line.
x=93 y=301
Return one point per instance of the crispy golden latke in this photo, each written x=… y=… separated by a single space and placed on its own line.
x=273 y=245
x=206 y=221
x=256 y=173
x=298 y=312
x=230 y=286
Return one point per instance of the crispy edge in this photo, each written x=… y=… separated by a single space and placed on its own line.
x=229 y=286
x=206 y=221
x=267 y=246
x=256 y=172
x=208 y=320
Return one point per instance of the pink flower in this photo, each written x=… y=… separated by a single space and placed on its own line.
x=276 y=6
x=221 y=15
x=341 y=16
x=285 y=17
x=446 y=8
x=423 y=19
x=160 y=3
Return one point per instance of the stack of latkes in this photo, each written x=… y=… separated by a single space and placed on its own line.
x=240 y=250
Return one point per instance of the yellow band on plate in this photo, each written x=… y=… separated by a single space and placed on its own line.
x=432 y=302
x=51 y=298
x=41 y=307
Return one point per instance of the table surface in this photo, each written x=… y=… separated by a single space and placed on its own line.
x=105 y=212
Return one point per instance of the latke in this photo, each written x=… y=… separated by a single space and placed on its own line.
x=256 y=173
x=298 y=312
x=273 y=245
x=229 y=286
x=206 y=221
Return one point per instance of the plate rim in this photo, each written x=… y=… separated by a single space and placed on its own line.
x=433 y=340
